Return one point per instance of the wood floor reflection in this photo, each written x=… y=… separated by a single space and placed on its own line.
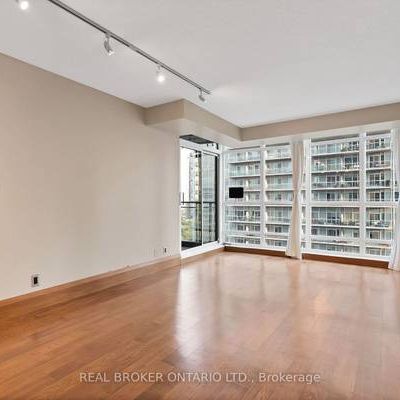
x=227 y=313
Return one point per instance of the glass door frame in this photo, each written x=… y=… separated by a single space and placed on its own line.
x=218 y=228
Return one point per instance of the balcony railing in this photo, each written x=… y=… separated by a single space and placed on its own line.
x=277 y=154
x=335 y=198
x=379 y=224
x=278 y=186
x=272 y=171
x=348 y=184
x=342 y=148
x=334 y=167
x=240 y=173
x=238 y=218
x=242 y=158
x=384 y=183
x=378 y=145
x=323 y=221
x=252 y=187
x=276 y=220
x=379 y=164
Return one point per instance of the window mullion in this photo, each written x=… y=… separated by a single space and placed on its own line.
x=308 y=194
x=262 y=197
x=363 y=200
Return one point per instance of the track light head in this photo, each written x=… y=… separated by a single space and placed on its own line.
x=23 y=4
x=160 y=75
x=202 y=97
x=107 y=45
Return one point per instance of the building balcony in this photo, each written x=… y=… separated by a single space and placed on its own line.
x=331 y=199
x=244 y=174
x=252 y=188
x=379 y=184
x=278 y=187
x=336 y=149
x=277 y=155
x=334 y=167
x=272 y=220
x=378 y=164
x=238 y=232
x=241 y=220
x=378 y=145
x=322 y=221
x=243 y=158
x=278 y=171
x=336 y=185
x=379 y=224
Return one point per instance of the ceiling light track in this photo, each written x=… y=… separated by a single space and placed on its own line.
x=111 y=35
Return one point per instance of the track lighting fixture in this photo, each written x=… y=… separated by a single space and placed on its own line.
x=23 y=4
x=202 y=97
x=107 y=45
x=161 y=67
x=160 y=75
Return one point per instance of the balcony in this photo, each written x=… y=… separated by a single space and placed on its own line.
x=252 y=188
x=335 y=167
x=244 y=173
x=334 y=198
x=379 y=224
x=277 y=220
x=277 y=154
x=379 y=164
x=278 y=171
x=335 y=149
x=335 y=185
x=383 y=183
x=238 y=219
x=278 y=187
x=335 y=222
x=379 y=145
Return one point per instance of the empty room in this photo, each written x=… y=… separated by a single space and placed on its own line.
x=199 y=199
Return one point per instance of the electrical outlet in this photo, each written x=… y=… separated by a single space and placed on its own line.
x=35 y=280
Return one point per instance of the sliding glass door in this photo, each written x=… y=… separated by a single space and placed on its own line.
x=199 y=196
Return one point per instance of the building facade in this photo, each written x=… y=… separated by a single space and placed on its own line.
x=348 y=197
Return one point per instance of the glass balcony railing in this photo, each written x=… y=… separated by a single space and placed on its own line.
x=282 y=186
x=277 y=220
x=342 y=184
x=277 y=154
x=243 y=157
x=240 y=173
x=323 y=221
x=334 y=167
x=378 y=144
x=383 y=183
x=334 y=148
x=273 y=171
x=379 y=224
x=379 y=164
x=251 y=187
x=335 y=198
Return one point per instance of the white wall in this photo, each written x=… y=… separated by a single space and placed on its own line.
x=85 y=186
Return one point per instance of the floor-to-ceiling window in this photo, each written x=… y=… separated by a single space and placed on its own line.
x=348 y=197
x=198 y=193
x=243 y=215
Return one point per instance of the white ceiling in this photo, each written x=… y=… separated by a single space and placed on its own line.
x=264 y=60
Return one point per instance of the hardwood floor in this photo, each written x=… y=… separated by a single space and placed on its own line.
x=227 y=313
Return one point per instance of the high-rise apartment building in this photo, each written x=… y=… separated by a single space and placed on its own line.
x=348 y=196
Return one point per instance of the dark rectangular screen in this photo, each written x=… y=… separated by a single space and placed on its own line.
x=236 y=193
